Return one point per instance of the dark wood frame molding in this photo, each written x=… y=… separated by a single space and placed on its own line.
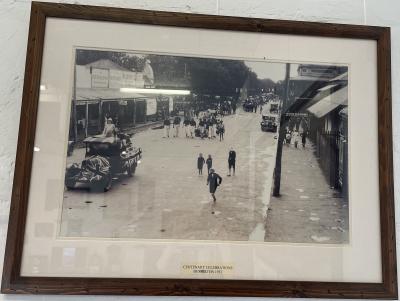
x=13 y=283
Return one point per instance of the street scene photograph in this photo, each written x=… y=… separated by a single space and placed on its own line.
x=188 y=148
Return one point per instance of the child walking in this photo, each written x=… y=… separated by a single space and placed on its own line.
x=200 y=163
x=209 y=163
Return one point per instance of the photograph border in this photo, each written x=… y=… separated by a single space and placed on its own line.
x=13 y=282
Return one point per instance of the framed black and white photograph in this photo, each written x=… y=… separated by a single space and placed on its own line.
x=144 y=127
x=177 y=154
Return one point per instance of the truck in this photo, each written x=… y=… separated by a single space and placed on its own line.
x=106 y=159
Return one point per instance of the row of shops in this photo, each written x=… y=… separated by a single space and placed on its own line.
x=321 y=93
x=98 y=95
x=126 y=111
x=329 y=111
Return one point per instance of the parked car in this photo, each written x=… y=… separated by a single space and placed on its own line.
x=274 y=107
x=269 y=123
x=106 y=158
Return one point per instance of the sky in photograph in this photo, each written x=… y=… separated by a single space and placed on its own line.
x=274 y=71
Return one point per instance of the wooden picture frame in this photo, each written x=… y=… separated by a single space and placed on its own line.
x=14 y=283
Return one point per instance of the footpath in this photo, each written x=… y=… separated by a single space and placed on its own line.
x=308 y=209
x=143 y=127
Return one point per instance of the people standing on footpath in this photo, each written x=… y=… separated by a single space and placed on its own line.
x=176 y=125
x=167 y=127
x=209 y=163
x=288 y=137
x=231 y=161
x=295 y=137
x=200 y=163
x=213 y=180
x=303 y=139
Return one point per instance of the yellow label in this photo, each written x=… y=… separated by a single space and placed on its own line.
x=207 y=269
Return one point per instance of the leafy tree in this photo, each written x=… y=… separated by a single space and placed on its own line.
x=169 y=70
x=216 y=76
x=200 y=75
x=126 y=60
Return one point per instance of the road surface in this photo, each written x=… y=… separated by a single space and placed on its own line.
x=167 y=199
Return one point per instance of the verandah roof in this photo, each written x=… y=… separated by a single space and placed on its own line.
x=96 y=94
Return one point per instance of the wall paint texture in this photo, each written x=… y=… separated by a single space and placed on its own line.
x=14 y=23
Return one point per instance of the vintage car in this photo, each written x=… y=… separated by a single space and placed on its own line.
x=274 y=107
x=248 y=106
x=106 y=158
x=269 y=123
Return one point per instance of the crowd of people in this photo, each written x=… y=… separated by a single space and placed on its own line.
x=205 y=125
x=222 y=108
x=294 y=137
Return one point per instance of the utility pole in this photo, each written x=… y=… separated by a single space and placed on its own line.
x=86 y=118
x=281 y=135
x=74 y=105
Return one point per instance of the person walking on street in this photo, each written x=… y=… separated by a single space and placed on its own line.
x=200 y=163
x=209 y=128
x=167 y=127
x=213 y=180
x=176 y=125
x=192 y=127
x=186 y=124
x=221 y=130
x=231 y=161
x=201 y=128
x=209 y=163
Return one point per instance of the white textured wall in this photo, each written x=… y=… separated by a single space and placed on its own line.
x=14 y=22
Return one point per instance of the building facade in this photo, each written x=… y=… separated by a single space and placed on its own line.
x=97 y=96
x=320 y=95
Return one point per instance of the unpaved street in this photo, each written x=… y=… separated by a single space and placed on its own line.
x=167 y=199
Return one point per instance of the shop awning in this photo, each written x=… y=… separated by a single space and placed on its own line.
x=341 y=77
x=309 y=78
x=327 y=87
x=329 y=103
x=96 y=94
